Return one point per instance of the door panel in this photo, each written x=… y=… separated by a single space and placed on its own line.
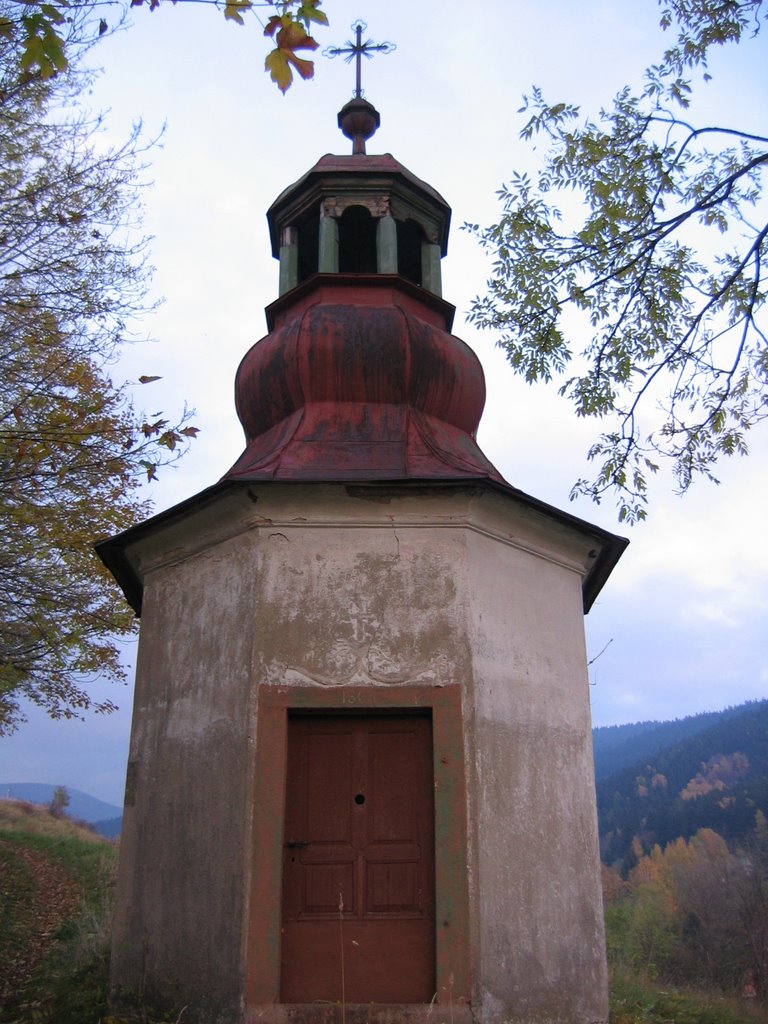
x=358 y=868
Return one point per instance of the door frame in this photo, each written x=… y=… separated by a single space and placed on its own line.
x=262 y=941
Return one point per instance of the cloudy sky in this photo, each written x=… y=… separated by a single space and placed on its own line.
x=682 y=621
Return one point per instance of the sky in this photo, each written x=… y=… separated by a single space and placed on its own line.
x=680 y=627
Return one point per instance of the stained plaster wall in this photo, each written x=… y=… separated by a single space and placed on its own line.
x=537 y=908
x=368 y=593
x=180 y=895
x=331 y=586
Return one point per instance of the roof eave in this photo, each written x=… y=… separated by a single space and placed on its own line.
x=113 y=551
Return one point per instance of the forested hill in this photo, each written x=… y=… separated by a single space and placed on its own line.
x=715 y=778
x=622 y=746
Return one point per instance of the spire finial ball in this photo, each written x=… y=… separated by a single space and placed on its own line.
x=358 y=120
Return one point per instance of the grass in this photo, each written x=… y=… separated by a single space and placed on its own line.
x=55 y=913
x=55 y=921
x=637 y=1000
x=86 y=856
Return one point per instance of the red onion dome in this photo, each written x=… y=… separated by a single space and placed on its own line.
x=361 y=387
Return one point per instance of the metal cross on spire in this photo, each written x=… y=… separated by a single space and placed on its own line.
x=357 y=50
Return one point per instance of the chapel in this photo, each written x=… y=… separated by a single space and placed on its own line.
x=360 y=786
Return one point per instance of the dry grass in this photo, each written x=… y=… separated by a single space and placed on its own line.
x=21 y=816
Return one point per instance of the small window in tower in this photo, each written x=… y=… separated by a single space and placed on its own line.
x=409 y=239
x=357 y=241
x=308 y=243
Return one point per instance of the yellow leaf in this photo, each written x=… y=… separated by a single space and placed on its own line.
x=279 y=63
x=292 y=36
x=232 y=10
x=309 y=12
x=276 y=63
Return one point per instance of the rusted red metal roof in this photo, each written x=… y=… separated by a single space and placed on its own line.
x=360 y=379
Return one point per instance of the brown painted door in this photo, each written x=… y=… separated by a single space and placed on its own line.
x=358 y=868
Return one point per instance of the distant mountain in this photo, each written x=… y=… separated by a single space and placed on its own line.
x=621 y=746
x=715 y=778
x=110 y=828
x=81 y=805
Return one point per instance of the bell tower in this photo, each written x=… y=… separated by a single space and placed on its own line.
x=383 y=221
x=360 y=785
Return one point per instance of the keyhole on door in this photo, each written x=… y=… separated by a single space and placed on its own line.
x=360 y=798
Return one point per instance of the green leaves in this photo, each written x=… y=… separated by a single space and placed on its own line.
x=702 y=24
x=545 y=118
x=603 y=263
x=309 y=11
x=43 y=47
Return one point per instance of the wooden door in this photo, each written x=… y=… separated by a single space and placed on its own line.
x=358 y=866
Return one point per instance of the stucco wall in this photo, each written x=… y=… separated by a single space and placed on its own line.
x=537 y=902
x=363 y=593
x=180 y=896
x=322 y=585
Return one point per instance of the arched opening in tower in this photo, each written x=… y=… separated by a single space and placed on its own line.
x=409 y=239
x=357 y=241
x=308 y=238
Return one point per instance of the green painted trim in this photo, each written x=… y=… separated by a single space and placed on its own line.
x=289 y=267
x=386 y=245
x=328 y=257
x=431 y=276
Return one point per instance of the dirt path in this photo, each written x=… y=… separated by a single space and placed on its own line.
x=36 y=896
